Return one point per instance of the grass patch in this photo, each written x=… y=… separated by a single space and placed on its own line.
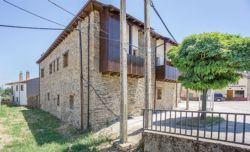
x=36 y=130
x=194 y=122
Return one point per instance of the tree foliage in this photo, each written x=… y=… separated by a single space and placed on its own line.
x=211 y=60
x=5 y=92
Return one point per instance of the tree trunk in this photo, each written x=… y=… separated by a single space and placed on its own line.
x=180 y=93
x=204 y=103
x=187 y=99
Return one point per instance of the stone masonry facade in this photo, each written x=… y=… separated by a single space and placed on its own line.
x=104 y=96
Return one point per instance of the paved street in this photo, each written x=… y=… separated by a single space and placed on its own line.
x=226 y=106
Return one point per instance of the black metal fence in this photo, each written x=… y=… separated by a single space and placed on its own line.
x=220 y=126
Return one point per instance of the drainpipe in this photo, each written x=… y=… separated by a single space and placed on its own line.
x=81 y=75
x=155 y=74
x=88 y=121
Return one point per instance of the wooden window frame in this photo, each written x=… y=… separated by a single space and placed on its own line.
x=42 y=73
x=159 y=96
x=48 y=96
x=54 y=66
x=57 y=64
x=66 y=59
x=58 y=100
x=50 y=68
x=71 y=101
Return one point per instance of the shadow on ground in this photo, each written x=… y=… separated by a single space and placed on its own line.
x=47 y=129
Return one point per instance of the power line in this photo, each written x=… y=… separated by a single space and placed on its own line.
x=62 y=8
x=41 y=28
x=27 y=11
x=65 y=10
x=31 y=27
x=158 y=14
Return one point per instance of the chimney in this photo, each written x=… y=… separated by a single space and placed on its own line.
x=21 y=76
x=27 y=75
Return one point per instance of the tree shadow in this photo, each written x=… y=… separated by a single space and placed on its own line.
x=47 y=129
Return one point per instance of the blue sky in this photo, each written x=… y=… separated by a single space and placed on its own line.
x=19 y=49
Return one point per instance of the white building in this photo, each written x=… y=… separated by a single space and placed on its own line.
x=25 y=92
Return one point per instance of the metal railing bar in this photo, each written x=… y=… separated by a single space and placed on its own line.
x=212 y=128
x=181 y=122
x=244 y=129
x=219 y=127
x=152 y=119
x=186 y=123
x=170 y=125
x=175 y=122
x=192 y=116
x=226 y=128
x=160 y=119
x=235 y=124
x=165 y=121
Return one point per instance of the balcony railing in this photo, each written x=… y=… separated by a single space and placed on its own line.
x=220 y=126
x=167 y=73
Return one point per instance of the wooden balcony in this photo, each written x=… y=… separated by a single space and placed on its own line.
x=111 y=65
x=110 y=48
x=167 y=73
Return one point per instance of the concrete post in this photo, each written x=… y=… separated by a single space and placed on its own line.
x=123 y=74
x=147 y=63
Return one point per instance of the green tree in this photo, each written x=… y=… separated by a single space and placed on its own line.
x=209 y=61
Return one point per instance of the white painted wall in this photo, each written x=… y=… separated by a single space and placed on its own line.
x=21 y=95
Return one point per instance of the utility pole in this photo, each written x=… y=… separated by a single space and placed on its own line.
x=123 y=74
x=147 y=64
x=81 y=74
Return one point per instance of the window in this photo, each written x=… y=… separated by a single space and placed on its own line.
x=57 y=64
x=50 y=68
x=159 y=94
x=54 y=66
x=17 y=99
x=71 y=102
x=21 y=87
x=48 y=95
x=239 y=93
x=16 y=87
x=65 y=59
x=58 y=100
x=42 y=73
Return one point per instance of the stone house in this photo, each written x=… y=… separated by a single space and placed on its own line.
x=25 y=92
x=60 y=69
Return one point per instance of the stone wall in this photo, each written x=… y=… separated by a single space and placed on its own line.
x=157 y=142
x=168 y=95
x=105 y=89
x=64 y=82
